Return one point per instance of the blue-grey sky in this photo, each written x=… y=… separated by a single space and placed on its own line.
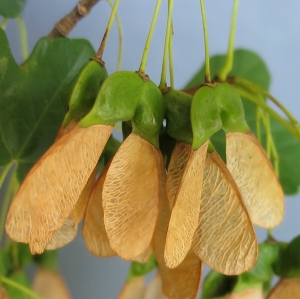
x=270 y=28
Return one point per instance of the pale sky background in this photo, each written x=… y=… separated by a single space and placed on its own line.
x=270 y=28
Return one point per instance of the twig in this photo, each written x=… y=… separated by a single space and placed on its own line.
x=68 y=22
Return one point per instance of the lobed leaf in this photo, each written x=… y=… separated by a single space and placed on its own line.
x=30 y=108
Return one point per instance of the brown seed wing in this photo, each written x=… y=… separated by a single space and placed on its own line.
x=130 y=197
x=183 y=281
x=145 y=255
x=176 y=168
x=225 y=239
x=135 y=289
x=256 y=179
x=52 y=187
x=64 y=235
x=286 y=289
x=79 y=210
x=50 y=285
x=185 y=213
x=3 y=293
x=154 y=289
x=247 y=294
x=94 y=232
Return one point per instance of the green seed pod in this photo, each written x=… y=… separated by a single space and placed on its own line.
x=230 y=108
x=178 y=106
x=149 y=114
x=80 y=94
x=117 y=99
x=205 y=116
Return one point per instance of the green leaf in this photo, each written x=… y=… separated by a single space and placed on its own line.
x=138 y=269
x=290 y=259
x=11 y=8
x=5 y=263
x=19 y=254
x=30 y=108
x=217 y=285
x=279 y=251
x=48 y=259
x=22 y=279
x=247 y=65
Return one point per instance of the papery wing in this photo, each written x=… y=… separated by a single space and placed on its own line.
x=255 y=178
x=130 y=196
x=225 y=239
x=179 y=159
x=184 y=280
x=50 y=190
x=286 y=288
x=94 y=232
x=135 y=289
x=185 y=213
x=50 y=285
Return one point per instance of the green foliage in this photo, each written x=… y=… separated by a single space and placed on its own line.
x=217 y=285
x=290 y=259
x=21 y=278
x=4 y=263
x=31 y=111
x=11 y=8
x=19 y=255
x=48 y=259
x=138 y=269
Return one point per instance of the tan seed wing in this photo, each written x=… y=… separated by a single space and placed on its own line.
x=64 y=235
x=63 y=131
x=79 y=210
x=38 y=246
x=130 y=197
x=145 y=255
x=94 y=232
x=286 y=289
x=3 y=293
x=182 y=281
x=247 y=294
x=52 y=187
x=176 y=168
x=185 y=213
x=256 y=179
x=225 y=239
x=135 y=289
x=154 y=289
x=50 y=285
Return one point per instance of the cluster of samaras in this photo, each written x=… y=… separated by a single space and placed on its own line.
x=199 y=210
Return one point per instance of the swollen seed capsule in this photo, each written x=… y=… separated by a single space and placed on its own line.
x=80 y=94
x=178 y=106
